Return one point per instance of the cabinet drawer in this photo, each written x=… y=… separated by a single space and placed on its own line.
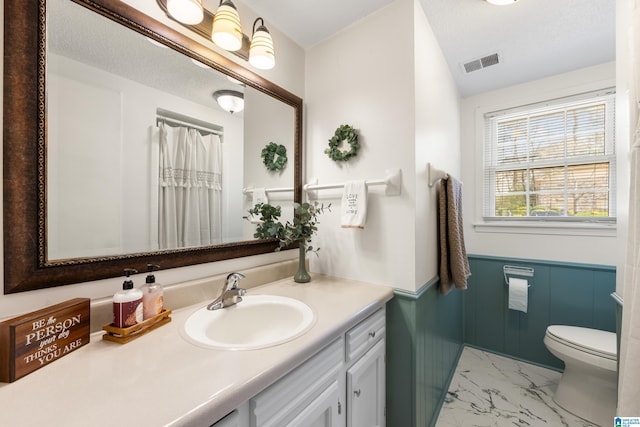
x=278 y=405
x=362 y=337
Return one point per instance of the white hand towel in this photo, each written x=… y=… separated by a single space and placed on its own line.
x=518 y=294
x=354 y=204
x=259 y=196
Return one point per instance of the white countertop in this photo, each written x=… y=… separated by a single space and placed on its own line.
x=161 y=379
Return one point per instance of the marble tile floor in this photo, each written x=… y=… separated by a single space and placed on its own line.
x=492 y=390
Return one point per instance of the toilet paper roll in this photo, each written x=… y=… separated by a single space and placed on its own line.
x=518 y=294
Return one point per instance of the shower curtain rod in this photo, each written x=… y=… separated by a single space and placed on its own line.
x=178 y=119
x=205 y=130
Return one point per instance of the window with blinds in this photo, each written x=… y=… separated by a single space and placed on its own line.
x=551 y=161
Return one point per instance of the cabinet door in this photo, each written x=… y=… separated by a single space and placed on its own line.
x=366 y=389
x=324 y=411
x=284 y=402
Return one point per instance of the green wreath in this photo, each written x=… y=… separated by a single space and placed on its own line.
x=274 y=156
x=343 y=133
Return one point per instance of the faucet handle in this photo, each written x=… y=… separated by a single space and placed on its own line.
x=233 y=279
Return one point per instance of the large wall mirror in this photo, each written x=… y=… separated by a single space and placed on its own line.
x=116 y=153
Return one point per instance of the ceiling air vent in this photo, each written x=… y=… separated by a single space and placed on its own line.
x=474 y=65
x=480 y=63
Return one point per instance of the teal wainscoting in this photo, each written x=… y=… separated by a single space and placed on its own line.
x=560 y=293
x=424 y=342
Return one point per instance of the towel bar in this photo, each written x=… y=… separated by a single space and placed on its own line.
x=434 y=175
x=392 y=181
x=250 y=190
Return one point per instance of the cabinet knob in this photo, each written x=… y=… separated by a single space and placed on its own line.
x=357 y=392
x=372 y=334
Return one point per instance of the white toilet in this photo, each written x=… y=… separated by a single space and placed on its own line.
x=588 y=387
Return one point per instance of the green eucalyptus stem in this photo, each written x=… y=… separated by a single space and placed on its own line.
x=300 y=230
x=343 y=133
x=274 y=156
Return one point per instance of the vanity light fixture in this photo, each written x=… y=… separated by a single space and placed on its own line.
x=227 y=31
x=261 y=52
x=501 y=2
x=230 y=100
x=188 y=12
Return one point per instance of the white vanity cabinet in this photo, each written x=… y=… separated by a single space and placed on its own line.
x=341 y=386
x=310 y=395
x=366 y=372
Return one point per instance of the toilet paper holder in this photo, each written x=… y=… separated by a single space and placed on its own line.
x=516 y=271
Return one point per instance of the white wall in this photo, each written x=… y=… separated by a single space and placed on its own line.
x=288 y=73
x=627 y=109
x=398 y=93
x=437 y=139
x=582 y=246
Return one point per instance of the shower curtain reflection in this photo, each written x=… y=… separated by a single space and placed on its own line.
x=190 y=188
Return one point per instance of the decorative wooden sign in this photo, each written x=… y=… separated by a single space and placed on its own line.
x=34 y=340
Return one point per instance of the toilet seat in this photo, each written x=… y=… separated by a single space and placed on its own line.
x=596 y=342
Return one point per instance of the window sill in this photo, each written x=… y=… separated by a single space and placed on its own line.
x=548 y=228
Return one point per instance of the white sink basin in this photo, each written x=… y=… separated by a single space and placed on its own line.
x=259 y=321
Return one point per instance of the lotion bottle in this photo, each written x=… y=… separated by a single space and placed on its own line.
x=152 y=294
x=127 y=303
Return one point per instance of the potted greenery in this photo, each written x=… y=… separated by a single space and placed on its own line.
x=301 y=230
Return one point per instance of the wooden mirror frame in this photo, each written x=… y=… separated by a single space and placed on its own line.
x=26 y=266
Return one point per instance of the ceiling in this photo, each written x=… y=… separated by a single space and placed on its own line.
x=533 y=38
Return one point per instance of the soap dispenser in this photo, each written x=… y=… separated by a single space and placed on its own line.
x=127 y=303
x=152 y=294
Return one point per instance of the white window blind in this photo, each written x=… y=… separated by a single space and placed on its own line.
x=552 y=161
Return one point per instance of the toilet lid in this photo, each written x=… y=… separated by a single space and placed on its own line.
x=594 y=341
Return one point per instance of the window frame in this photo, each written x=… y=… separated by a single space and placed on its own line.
x=557 y=224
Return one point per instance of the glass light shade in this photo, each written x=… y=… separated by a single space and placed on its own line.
x=261 y=52
x=501 y=2
x=230 y=100
x=227 y=31
x=186 y=11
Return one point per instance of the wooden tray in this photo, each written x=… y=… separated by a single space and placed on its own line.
x=124 y=335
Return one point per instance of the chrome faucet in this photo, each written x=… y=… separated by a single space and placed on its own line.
x=231 y=294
